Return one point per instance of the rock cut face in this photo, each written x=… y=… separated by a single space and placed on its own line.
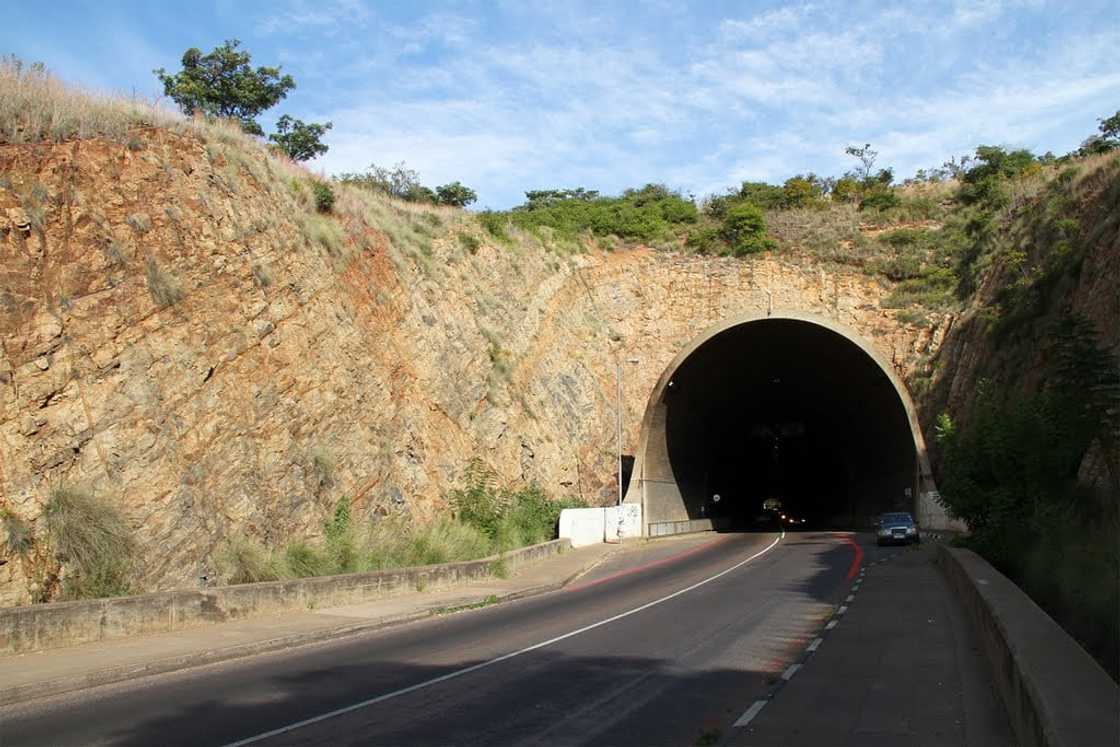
x=184 y=338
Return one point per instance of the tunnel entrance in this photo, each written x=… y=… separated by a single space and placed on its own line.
x=790 y=412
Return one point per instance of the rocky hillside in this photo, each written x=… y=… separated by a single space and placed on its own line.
x=187 y=336
x=190 y=334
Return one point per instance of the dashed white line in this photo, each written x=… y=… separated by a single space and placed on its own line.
x=850 y=598
x=750 y=713
x=788 y=674
x=842 y=610
x=504 y=657
x=831 y=624
x=815 y=644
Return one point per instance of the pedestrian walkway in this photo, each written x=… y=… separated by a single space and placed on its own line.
x=898 y=664
x=38 y=674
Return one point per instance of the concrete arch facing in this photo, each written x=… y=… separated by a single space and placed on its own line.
x=666 y=509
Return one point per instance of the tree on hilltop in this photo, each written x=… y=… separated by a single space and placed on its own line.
x=301 y=140
x=223 y=84
x=455 y=194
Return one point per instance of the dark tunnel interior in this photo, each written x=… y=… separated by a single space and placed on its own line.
x=790 y=411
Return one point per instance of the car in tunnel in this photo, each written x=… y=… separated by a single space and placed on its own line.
x=897 y=527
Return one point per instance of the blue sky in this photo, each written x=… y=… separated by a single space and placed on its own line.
x=510 y=96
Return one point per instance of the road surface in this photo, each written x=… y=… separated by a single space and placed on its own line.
x=650 y=649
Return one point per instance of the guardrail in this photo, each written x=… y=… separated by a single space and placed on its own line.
x=43 y=626
x=1054 y=692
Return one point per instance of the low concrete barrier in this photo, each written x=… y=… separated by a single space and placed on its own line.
x=590 y=526
x=44 y=626
x=665 y=528
x=1054 y=692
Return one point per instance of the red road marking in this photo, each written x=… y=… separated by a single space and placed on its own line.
x=853 y=569
x=647 y=566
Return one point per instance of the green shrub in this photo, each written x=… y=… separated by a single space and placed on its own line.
x=242 y=561
x=470 y=243
x=1011 y=473
x=744 y=229
x=479 y=503
x=324 y=196
x=92 y=541
x=342 y=554
x=879 y=198
x=705 y=240
x=496 y=224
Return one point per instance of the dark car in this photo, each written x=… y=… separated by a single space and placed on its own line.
x=898 y=527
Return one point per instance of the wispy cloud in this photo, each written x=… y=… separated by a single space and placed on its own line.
x=509 y=96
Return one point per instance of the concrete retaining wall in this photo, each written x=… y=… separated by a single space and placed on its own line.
x=45 y=626
x=665 y=528
x=1054 y=692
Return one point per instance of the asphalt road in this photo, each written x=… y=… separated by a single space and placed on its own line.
x=668 y=653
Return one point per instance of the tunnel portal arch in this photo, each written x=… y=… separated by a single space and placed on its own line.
x=790 y=406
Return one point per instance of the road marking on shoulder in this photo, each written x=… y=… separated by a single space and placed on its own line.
x=842 y=610
x=504 y=657
x=815 y=644
x=831 y=624
x=788 y=674
x=750 y=713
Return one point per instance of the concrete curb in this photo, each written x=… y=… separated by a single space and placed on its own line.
x=39 y=627
x=1055 y=694
x=33 y=691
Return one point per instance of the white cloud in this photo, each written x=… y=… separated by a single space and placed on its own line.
x=758 y=97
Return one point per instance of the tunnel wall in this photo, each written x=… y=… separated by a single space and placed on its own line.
x=663 y=495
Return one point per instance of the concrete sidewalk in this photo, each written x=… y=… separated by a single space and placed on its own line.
x=900 y=665
x=25 y=677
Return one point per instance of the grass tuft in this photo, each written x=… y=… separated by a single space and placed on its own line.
x=164 y=287
x=91 y=539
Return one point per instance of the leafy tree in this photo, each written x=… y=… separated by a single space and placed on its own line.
x=302 y=141
x=539 y=198
x=866 y=158
x=744 y=229
x=800 y=191
x=993 y=166
x=223 y=84
x=1108 y=139
x=765 y=196
x=846 y=189
x=455 y=194
x=420 y=193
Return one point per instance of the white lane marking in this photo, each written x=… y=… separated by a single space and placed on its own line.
x=842 y=610
x=850 y=598
x=788 y=674
x=504 y=657
x=815 y=644
x=831 y=624
x=750 y=713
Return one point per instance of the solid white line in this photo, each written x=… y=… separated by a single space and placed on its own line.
x=505 y=657
x=842 y=610
x=831 y=625
x=815 y=644
x=750 y=713
x=788 y=674
x=850 y=598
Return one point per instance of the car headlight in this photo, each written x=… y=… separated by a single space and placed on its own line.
x=911 y=530
x=884 y=532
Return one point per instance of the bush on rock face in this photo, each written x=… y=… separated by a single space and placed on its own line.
x=744 y=229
